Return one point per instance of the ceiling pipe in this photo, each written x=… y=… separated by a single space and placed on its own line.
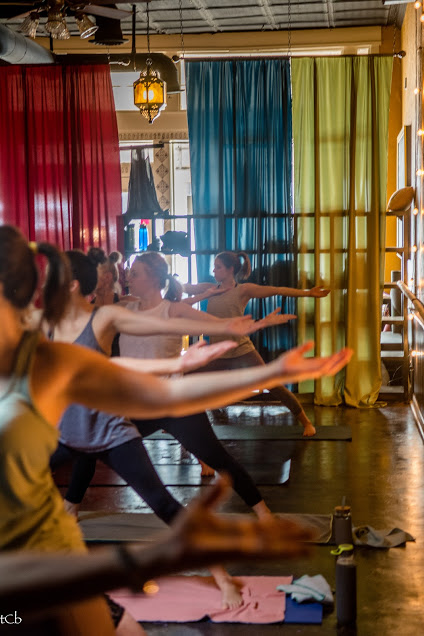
x=17 y=49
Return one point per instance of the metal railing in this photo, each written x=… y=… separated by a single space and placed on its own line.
x=417 y=304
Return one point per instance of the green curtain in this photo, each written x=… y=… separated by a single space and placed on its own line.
x=340 y=135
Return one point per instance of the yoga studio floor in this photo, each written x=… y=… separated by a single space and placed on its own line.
x=381 y=474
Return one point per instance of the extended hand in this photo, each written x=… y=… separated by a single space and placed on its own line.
x=319 y=292
x=274 y=318
x=199 y=354
x=201 y=536
x=294 y=367
x=240 y=326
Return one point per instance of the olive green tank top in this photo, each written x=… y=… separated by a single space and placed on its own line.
x=230 y=305
x=32 y=515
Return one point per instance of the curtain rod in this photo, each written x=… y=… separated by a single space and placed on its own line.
x=142 y=146
x=400 y=54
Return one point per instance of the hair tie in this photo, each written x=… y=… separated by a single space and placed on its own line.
x=33 y=246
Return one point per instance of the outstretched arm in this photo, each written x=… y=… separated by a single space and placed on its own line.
x=197 y=538
x=251 y=290
x=208 y=293
x=196 y=356
x=197 y=288
x=188 y=321
x=68 y=374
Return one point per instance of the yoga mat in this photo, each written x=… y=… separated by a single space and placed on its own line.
x=188 y=475
x=230 y=432
x=183 y=599
x=123 y=526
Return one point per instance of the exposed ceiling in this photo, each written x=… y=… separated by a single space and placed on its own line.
x=218 y=16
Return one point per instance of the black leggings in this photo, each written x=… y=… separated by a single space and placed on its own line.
x=132 y=463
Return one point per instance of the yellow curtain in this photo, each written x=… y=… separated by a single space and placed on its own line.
x=340 y=133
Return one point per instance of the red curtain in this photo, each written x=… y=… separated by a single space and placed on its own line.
x=59 y=154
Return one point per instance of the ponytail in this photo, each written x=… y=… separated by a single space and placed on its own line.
x=19 y=273
x=56 y=291
x=245 y=269
x=175 y=290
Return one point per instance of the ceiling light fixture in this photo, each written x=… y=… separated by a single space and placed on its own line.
x=86 y=27
x=30 y=24
x=149 y=89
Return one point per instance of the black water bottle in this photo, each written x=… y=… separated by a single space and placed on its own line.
x=342 y=525
x=346 y=588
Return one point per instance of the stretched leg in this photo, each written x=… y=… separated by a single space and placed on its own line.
x=283 y=395
x=197 y=436
x=83 y=469
x=133 y=464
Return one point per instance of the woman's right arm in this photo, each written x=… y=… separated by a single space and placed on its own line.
x=198 y=288
x=30 y=582
x=195 y=323
x=67 y=374
x=208 y=293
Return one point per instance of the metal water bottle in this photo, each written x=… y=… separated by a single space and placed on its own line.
x=342 y=525
x=129 y=239
x=346 y=587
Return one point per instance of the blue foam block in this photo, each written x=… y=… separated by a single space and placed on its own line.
x=302 y=612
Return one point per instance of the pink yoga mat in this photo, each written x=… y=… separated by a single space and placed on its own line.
x=181 y=599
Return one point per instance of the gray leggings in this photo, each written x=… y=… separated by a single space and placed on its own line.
x=254 y=359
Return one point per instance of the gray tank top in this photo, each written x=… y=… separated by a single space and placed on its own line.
x=93 y=431
x=32 y=516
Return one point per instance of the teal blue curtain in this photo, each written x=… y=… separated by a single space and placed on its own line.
x=240 y=133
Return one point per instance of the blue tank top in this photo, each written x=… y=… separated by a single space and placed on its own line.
x=92 y=431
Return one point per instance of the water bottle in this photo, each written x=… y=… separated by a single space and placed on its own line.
x=142 y=237
x=342 y=525
x=129 y=239
x=346 y=587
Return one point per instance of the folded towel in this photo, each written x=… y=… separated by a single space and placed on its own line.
x=366 y=535
x=309 y=588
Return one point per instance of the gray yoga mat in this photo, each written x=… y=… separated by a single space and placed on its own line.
x=189 y=475
x=122 y=526
x=230 y=432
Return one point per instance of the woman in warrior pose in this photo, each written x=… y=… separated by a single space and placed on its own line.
x=229 y=299
x=40 y=379
x=116 y=441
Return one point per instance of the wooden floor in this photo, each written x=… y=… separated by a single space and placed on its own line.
x=381 y=474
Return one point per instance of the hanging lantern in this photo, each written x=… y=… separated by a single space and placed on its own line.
x=150 y=93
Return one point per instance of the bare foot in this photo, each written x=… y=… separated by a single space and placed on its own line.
x=71 y=508
x=231 y=595
x=207 y=471
x=308 y=427
x=309 y=430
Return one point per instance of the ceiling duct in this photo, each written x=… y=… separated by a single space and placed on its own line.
x=17 y=49
x=123 y=63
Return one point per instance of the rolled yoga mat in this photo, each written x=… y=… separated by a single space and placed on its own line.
x=234 y=432
x=185 y=475
x=122 y=526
